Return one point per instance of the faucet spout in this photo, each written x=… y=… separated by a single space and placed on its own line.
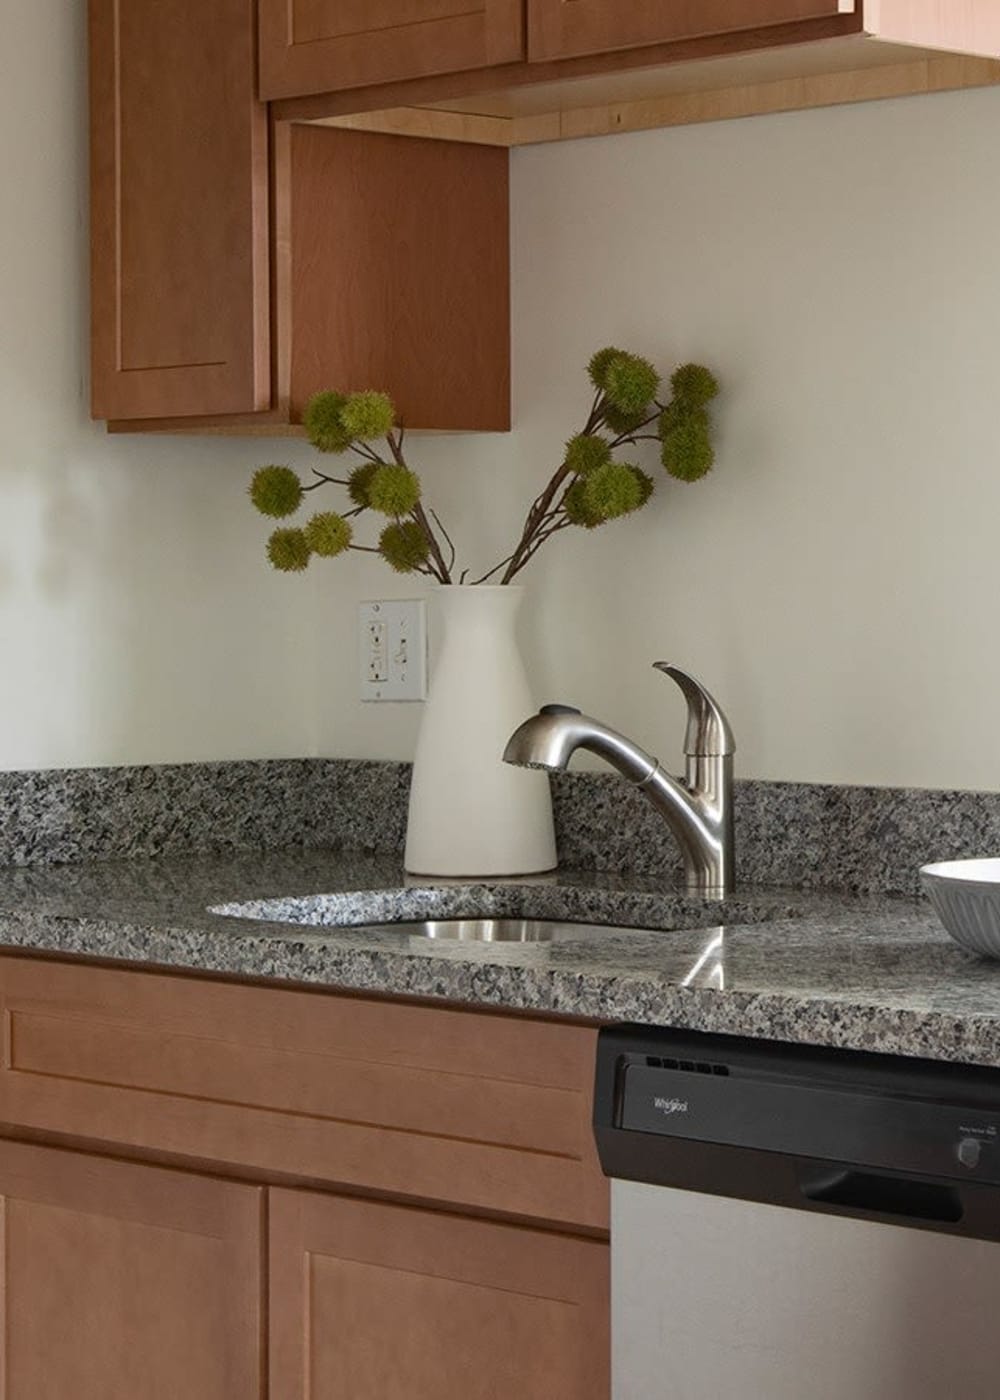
x=550 y=738
x=698 y=811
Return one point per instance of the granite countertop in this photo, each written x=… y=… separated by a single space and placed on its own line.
x=868 y=972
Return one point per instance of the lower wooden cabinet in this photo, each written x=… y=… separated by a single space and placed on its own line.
x=126 y=1282
x=427 y=1217
x=383 y=1302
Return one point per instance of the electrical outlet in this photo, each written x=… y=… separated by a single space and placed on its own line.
x=377 y=669
x=392 y=639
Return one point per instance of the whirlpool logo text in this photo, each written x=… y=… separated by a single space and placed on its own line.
x=671 y=1105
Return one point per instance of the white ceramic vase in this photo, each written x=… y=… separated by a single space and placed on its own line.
x=470 y=813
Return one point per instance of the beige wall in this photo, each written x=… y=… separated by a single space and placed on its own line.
x=835 y=581
x=136 y=623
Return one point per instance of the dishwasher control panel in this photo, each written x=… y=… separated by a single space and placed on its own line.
x=852 y=1108
x=858 y=1124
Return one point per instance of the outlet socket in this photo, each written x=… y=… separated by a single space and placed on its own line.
x=392 y=637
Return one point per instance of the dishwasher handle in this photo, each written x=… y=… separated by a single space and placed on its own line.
x=871 y=1192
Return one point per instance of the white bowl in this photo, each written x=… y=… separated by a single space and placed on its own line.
x=966 y=896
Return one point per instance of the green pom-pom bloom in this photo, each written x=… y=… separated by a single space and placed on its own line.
x=578 y=508
x=600 y=364
x=328 y=534
x=630 y=383
x=645 y=484
x=622 y=424
x=614 y=489
x=393 y=490
x=694 y=385
x=323 y=423
x=276 y=491
x=672 y=417
x=359 y=484
x=686 y=450
x=609 y=491
x=368 y=415
x=404 y=546
x=585 y=452
x=288 y=550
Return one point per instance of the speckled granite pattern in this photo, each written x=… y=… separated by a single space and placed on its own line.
x=105 y=813
x=869 y=972
x=861 y=839
x=806 y=835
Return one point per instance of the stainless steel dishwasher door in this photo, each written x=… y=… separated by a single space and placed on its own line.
x=722 y=1299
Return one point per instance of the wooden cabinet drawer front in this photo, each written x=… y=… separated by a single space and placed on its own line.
x=326 y=45
x=573 y=28
x=479 y=1110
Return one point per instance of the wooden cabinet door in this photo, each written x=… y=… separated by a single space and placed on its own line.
x=123 y=1281
x=380 y=1302
x=324 y=45
x=179 y=208
x=571 y=28
x=400 y=274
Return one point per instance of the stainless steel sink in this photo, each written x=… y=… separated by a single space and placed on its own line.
x=491 y=930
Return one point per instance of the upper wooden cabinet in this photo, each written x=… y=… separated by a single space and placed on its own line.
x=572 y=28
x=326 y=45
x=355 y=235
x=235 y=271
x=178 y=210
x=398 y=275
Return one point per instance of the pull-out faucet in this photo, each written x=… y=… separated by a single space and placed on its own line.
x=699 y=812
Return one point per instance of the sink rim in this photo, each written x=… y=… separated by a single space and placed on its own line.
x=498 y=929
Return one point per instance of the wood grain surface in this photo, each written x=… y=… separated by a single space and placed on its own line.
x=179 y=208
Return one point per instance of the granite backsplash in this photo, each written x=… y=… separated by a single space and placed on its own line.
x=865 y=839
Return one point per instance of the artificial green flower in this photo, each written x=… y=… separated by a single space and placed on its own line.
x=609 y=491
x=288 y=550
x=672 y=416
x=587 y=488
x=359 y=483
x=368 y=414
x=585 y=452
x=686 y=450
x=614 y=489
x=404 y=546
x=694 y=385
x=393 y=489
x=579 y=510
x=645 y=484
x=328 y=534
x=630 y=383
x=624 y=424
x=599 y=363
x=323 y=423
x=276 y=491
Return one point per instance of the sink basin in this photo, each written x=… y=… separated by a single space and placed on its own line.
x=438 y=915
x=491 y=930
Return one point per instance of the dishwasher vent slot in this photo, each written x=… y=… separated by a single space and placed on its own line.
x=689 y=1066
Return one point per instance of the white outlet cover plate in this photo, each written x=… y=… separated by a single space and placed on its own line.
x=392 y=649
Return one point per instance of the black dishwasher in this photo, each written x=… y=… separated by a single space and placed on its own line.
x=798 y=1223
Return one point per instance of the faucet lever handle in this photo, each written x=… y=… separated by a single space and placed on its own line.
x=708 y=731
